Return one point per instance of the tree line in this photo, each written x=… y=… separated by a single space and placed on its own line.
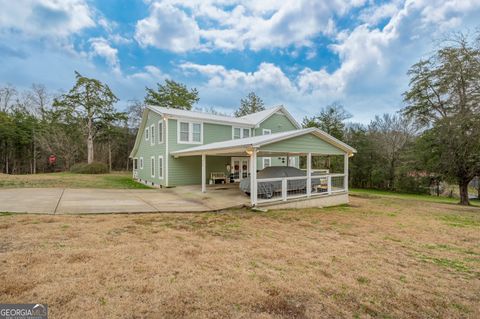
x=434 y=138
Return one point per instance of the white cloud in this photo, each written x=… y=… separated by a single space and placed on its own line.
x=168 y=28
x=101 y=47
x=235 y=25
x=149 y=73
x=46 y=18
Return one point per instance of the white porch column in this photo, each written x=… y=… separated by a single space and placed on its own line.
x=309 y=174
x=253 y=177
x=345 y=171
x=204 y=173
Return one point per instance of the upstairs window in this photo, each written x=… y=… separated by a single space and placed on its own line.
x=196 y=132
x=160 y=132
x=141 y=162
x=190 y=133
x=239 y=132
x=135 y=163
x=266 y=131
x=184 y=131
x=147 y=134
x=152 y=132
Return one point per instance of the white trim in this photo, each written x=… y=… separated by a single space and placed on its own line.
x=152 y=167
x=141 y=162
x=309 y=174
x=269 y=161
x=204 y=173
x=190 y=132
x=167 y=154
x=161 y=167
x=345 y=171
x=147 y=134
x=160 y=132
x=266 y=130
x=152 y=134
x=253 y=177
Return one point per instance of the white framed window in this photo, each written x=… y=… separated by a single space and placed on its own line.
x=196 y=132
x=152 y=166
x=160 y=167
x=184 y=132
x=189 y=132
x=266 y=131
x=141 y=162
x=267 y=161
x=135 y=163
x=152 y=133
x=239 y=132
x=160 y=132
x=147 y=134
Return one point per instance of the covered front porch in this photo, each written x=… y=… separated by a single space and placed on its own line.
x=306 y=145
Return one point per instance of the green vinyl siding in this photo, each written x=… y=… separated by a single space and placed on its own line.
x=188 y=170
x=276 y=123
x=146 y=150
x=307 y=143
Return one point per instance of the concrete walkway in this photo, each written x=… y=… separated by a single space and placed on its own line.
x=98 y=201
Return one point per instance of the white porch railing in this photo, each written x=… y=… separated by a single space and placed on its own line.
x=285 y=188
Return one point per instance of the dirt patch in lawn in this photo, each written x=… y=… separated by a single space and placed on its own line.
x=377 y=257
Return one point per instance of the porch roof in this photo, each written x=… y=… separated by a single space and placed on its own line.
x=242 y=145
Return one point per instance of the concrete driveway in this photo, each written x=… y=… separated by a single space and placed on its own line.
x=97 y=201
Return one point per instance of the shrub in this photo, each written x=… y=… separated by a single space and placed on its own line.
x=94 y=168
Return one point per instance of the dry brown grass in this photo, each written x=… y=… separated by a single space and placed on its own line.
x=378 y=257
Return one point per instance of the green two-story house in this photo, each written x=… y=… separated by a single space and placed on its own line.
x=178 y=147
x=166 y=130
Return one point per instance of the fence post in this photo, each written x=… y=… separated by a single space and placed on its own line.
x=309 y=174
x=284 y=189
x=329 y=184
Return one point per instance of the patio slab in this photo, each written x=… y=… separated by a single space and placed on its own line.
x=30 y=200
x=99 y=201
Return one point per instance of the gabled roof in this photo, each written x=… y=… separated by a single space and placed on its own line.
x=258 y=141
x=259 y=117
x=251 y=120
x=196 y=115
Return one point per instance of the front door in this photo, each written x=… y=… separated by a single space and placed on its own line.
x=240 y=168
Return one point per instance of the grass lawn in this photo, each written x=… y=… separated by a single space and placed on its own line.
x=69 y=180
x=382 y=257
x=380 y=193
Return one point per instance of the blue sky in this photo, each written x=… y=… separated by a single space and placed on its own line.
x=302 y=54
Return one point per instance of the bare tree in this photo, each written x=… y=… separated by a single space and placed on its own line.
x=8 y=94
x=390 y=134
